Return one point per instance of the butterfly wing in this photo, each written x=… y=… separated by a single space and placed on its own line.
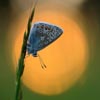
x=41 y=35
x=47 y=33
x=33 y=40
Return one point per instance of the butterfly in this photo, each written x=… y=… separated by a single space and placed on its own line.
x=41 y=35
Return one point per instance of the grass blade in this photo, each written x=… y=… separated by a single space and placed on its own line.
x=20 y=67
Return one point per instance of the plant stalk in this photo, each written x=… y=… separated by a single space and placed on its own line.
x=21 y=65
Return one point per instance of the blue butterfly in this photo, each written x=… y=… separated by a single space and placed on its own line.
x=41 y=35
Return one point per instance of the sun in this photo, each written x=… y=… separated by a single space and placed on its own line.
x=65 y=59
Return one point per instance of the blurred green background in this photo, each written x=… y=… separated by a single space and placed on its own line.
x=90 y=90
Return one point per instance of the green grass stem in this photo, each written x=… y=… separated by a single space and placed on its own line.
x=20 y=67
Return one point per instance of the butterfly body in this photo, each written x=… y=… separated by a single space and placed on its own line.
x=41 y=35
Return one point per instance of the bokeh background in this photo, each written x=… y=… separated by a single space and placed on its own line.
x=86 y=13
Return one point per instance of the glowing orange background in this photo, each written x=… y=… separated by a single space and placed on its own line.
x=66 y=58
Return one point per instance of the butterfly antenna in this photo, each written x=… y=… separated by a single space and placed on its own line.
x=41 y=62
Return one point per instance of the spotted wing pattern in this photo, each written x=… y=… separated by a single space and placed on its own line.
x=42 y=34
x=46 y=34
